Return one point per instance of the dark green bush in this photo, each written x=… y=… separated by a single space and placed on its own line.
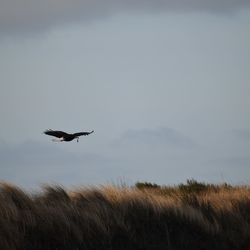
x=145 y=185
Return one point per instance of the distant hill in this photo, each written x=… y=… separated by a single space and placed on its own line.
x=147 y=216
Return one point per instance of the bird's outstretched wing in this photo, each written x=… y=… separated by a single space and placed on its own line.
x=55 y=133
x=83 y=133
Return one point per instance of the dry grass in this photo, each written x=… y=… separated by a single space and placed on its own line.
x=191 y=216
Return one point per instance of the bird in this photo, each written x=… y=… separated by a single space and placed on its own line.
x=63 y=136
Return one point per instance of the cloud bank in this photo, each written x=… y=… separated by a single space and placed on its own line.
x=31 y=163
x=17 y=16
x=159 y=137
x=162 y=155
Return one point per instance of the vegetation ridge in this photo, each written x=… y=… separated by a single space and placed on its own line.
x=147 y=216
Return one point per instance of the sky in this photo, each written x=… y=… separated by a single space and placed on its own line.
x=164 y=84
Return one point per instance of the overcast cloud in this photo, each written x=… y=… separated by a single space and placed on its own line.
x=17 y=16
x=164 y=84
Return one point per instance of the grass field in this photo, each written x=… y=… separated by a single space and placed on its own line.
x=147 y=216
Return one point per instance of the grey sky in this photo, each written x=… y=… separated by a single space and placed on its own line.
x=29 y=15
x=164 y=84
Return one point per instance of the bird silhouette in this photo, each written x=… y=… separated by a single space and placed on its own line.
x=63 y=136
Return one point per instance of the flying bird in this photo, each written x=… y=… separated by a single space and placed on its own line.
x=63 y=136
